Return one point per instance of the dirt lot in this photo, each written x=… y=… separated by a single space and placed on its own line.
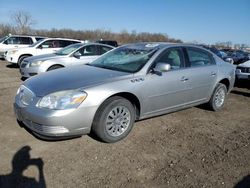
x=190 y=148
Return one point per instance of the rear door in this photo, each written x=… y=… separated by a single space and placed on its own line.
x=201 y=73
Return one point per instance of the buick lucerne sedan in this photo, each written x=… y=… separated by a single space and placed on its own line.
x=129 y=83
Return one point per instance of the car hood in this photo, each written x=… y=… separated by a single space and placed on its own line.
x=81 y=76
x=246 y=64
x=42 y=57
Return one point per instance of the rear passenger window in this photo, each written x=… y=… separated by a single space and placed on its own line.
x=88 y=50
x=25 y=40
x=104 y=49
x=199 y=57
x=50 y=44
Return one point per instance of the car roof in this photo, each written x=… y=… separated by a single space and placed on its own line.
x=161 y=45
x=61 y=39
x=26 y=36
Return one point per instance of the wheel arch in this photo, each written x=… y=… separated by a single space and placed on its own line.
x=132 y=98
x=226 y=82
x=24 y=55
x=55 y=65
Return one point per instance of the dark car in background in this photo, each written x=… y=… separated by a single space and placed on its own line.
x=108 y=42
x=238 y=56
x=222 y=54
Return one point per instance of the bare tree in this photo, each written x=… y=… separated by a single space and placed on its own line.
x=23 y=21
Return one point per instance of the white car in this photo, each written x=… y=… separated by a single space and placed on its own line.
x=243 y=70
x=16 y=41
x=45 y=46
x=74 y=54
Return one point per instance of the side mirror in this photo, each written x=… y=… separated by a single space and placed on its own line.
x=229 y=60
x=162 y=67
x=77 y=55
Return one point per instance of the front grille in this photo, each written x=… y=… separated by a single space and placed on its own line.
x=26 y=96
x=244 y=69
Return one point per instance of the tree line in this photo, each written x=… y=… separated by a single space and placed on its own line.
x=22 y=23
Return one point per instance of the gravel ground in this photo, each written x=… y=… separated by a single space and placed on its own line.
x=190 y=148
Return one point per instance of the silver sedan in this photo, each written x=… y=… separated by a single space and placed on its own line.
x=130 y=83
x=74 y=54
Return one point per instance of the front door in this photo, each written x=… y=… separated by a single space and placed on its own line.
x=167 y=90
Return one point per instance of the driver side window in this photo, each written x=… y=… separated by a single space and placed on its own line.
x=173 y=57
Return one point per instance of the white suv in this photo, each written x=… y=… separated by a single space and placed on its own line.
x=44 y=46
x=15 y=41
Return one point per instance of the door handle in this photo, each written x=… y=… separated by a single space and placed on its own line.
x=184 y=79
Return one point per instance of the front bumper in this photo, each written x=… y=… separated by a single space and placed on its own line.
x=28 y=72
x=55 y=124
x=242 y=75
x=10 y=58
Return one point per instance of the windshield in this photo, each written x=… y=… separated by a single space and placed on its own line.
x=69 y=49
x=37 y=42
x=3 y=39
x=130 y=58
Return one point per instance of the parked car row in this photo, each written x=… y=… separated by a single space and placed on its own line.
x=231 y=56
x=16 y=41
x=106 y=96
x=71 y=55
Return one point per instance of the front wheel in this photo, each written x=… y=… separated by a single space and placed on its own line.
x=218 y=98
x=114 y=119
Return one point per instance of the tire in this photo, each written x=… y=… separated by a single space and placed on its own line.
x=114 y=119
x=21 y=59
x=53 y=67
x=218 y=98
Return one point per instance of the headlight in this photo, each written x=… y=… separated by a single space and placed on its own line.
x=62 y=100
x=36 y=63
x=12 y=52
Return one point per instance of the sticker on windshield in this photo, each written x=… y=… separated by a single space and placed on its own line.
x=151 y=45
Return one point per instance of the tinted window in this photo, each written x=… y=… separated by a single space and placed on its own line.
x=199 y=57
x=88 y=50
x=108 y=42
x=173 y=57
x=25 y=40
x=39 y=38
x=64 y=43
x=50 y=44
x=12 y=40
x=103 y=49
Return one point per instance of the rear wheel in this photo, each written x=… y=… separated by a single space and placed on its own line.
x=218 y=98
x=114 y=119
x=54 y=67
